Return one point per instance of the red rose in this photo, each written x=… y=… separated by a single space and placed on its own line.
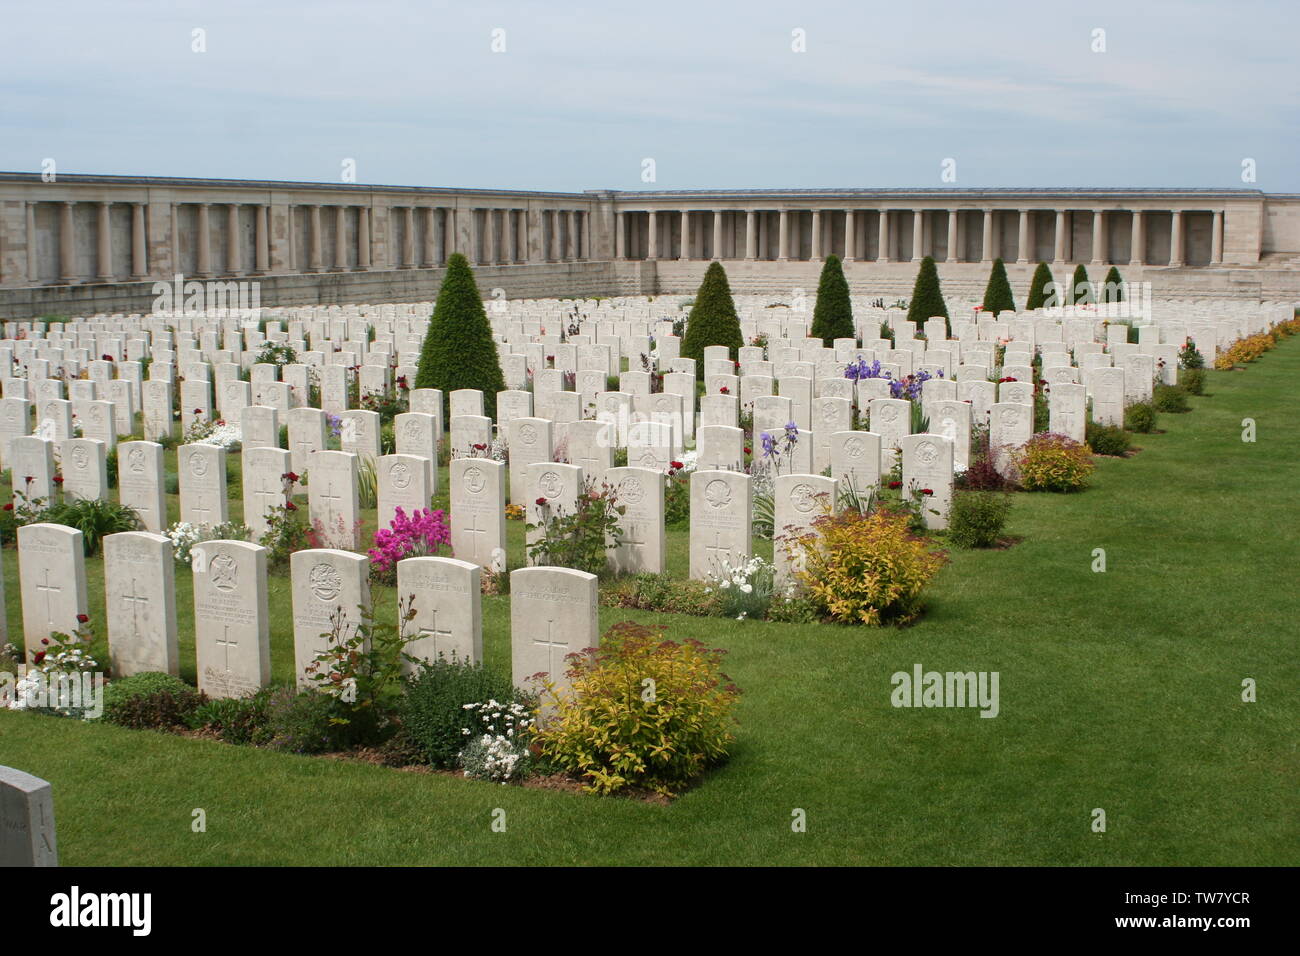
x=927 y=491
x=198 y=411
x=39 y=657
x=724 y=390
x=9 y=506
x=895 y=484
x=58 y=479
x=83 y=618
x=748 y=450
x=290 y=506
x=676 y=465
x=45 y=640
x=541 y=502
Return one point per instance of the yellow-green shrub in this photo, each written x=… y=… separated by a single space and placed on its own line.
x=1051 y=462
x=868 y=569
x=641 y=711
x=1246 y=350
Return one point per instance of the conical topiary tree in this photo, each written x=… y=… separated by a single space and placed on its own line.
x=1080 y=288
x=833 y=314
x=713 y=319
x=997 y=294
x=1112 y=290
x=458 y=350
x=927 y=298
x=1038 y=287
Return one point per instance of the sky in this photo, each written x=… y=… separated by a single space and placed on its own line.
x=569 y=95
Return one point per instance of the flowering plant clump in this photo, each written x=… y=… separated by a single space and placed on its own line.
x=778 y=448
x=1189 y=356
x=744 y=591
x=1052 y=462
x=514 y=512
x=861 y=369
x=185 y=535
x=419 y=535
x=220 y=433
x=499 y=748
x=61 y=677
x=911 y=385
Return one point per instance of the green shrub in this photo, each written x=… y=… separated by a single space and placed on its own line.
x=1080 y=290
x=660 y=592
x=1051 y=462
x=641 y=712
x=712 y=320
x=1038 y=287
x=833 y=314
x=927 y=297
x=1170 y=398
x=1140 y=417
x=433 y=711
x=303 y=723
x=1112 y=289
x=94 y=518
x=976 y=518
x=1192 y=380
x=149 y=701
x=1107 y=439
x=459 y=351
x=236 y=720
x=997 y=294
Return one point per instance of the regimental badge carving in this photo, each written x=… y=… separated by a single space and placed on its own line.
x=927 y=453
x=135 y=461
x=889 y=413
x=412 y=429
x=326 y=582
x=803 y=498
x=400 y=476
x=854 y=448
x=631 y=490
x=528 y=434
x=717 y=493
x=474 y=480
x=198 y=465
x=80 y=458
x=551 y=485
x=223 y=570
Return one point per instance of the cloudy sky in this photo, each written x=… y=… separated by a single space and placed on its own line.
x=715 y=93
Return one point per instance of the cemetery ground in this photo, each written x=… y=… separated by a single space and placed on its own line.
x=1119 y=690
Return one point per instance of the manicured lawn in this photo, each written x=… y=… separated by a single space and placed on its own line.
x=1119 y=690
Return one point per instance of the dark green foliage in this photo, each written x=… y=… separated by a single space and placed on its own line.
x=997 y=294
x=236 y=720
x=458 y=350
x=977 y=518
x=1106 y=439
x=304 y=723
x=1171 y=398
x=833 y=314
x=1038 y=287
x=94 y=519
x=1112 y=289
x=927 y=297
x=713 y=319
x=149 y=701
x=1192 y=380
x=433 y=710
x=1140 y=417
x=1080 y=288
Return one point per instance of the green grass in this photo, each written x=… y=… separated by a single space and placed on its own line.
x=1118 y=690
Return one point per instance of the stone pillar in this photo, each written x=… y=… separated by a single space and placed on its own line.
x=104 y=236
x=815 y=253
x=685 y=251
x=139 y=247
x=986 y=248
x=262 y=241
x=1022 y=240
x=33 y=267
x=315 y=255
x=717 y=234
x=751 y=236
x=363 y=237
x=918 y=235
x=783 y=237
x=620 y=235
x=850 y=236
x=575 y=237
x=882 y=255
x=953 y=247
x=1216 y=239
x=205 y=240
x=1137 y=242
x=490 y=233
x=439 y=222
x=340 y=234
x=1176 y=239
x=234 y=264
x=511 y=228
x=408 y=240
x=1059 y=254
x=652 y=243
x=1098 y=237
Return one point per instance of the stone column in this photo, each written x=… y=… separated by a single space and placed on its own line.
x=1216 y=239
x=882 y=254
x=104 y=237
x=850 y=236
x=685 y=251
x=1176 y=238
x=575 y=237
x=510 y=252
x=620 y=235
x=1022 y=240
x=439 y=222
x=815 y=253
x=783 y=237
x=986 y=250
x=408 y=240
x=652 y=243
x=340 y=233
x=1137 y=240
x=261 y=241
x=139 y=246
x=205 y=239
x=234 y=265
x=751 y=236
x=33 y=267
x=717 y=234
x=363 y=237
x=1098 y=237
x=918 y=235
x=490 y=237
x=1059 y=252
